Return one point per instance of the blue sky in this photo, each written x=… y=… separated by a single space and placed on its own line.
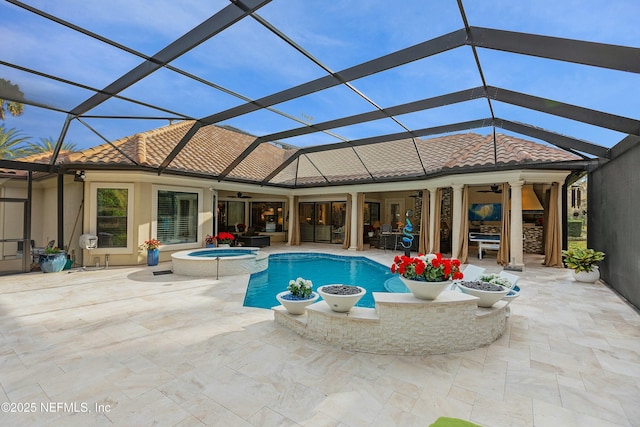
x=249 y=60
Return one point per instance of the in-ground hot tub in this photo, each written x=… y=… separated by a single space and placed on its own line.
x=219 y=261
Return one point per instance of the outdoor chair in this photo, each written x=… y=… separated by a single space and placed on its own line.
x=511 y=278
x=472 y=272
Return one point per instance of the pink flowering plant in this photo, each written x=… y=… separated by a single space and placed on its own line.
x=427 y=268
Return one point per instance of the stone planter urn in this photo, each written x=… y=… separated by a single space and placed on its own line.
x=341 y=298
x=586 y=277
x=487 y=293
x=425 y=290
x=295 y=305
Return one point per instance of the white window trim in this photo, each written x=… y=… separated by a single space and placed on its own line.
x=93 y=215
x=154 y=215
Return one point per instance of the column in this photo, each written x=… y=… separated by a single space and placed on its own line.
x=517 y=259
x=353 y=244
x=432 y=219
x=456 y=210
x=291 y=217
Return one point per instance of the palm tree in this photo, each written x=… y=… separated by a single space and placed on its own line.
x=45 y=145
x=10 y=139
x=13 y=107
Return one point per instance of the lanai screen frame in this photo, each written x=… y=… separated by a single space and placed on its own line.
x=613 y=57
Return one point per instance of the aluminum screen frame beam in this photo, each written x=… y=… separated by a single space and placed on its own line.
x=413 y=53
x=614 y=57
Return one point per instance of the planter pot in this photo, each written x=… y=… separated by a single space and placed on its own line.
x=296 y=306
x=224 y=245
x=210 y=245
x=486 y=298
x=425 y=290
x=152 y=257
x=590 y=277
x=339 y=302
x=52 y=263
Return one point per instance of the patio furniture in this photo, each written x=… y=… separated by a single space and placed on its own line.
x=485 y=241
x=251 y=238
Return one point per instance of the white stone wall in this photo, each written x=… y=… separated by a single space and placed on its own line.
x=402 y=324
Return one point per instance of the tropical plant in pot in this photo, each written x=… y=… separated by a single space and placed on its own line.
x=209 y=240
x=152 y=246
x=53 y=260
x=428 y=275
x=298 y=296
x=583 y=262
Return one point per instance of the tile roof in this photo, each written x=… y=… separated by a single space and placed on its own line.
x=213 y=148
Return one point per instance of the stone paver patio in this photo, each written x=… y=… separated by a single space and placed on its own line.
x=125 y=347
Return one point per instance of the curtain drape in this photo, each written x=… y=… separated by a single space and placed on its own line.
x=435 y=246
x=505 y=228
x=463 y=240
x=360 y=213
x=423 y=246
x=553 y=243
x=347 y=224
x=294 y=223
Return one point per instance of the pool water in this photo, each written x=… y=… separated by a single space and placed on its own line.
x=222 y=253
x=321 y=269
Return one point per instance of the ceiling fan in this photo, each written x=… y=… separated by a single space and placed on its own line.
x=241 y=196
x=495 y=188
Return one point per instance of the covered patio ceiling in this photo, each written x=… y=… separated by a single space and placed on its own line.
x=314 y=77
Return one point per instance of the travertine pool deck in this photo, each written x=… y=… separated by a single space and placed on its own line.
x=128 y=348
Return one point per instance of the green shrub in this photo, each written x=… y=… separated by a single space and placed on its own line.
x=574 y=227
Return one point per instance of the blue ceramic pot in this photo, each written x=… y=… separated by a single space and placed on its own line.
x=152 y=257
x=52 y=263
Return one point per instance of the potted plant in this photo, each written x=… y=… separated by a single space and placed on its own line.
x=53 y=260
x=152 y=246
x=583 y=263
x=210 y=241
x=298 y=296
x=225 y=239
x=428 y=275
x=341 y=298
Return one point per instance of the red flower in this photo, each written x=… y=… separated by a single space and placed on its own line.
x=428 y=268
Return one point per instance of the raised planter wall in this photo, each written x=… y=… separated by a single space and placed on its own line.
x=402 y=324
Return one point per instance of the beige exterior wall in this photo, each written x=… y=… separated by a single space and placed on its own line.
x=145 y=185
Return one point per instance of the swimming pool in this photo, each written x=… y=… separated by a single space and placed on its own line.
x=321 y=269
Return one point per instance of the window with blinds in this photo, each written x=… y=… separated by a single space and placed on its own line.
x=177 y=217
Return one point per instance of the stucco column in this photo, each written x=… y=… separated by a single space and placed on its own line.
x=517 y=259
x=353 y=242
x=432 y=219
x=290 y=215
x=457 y=211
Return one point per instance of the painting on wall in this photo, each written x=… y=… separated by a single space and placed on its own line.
x=485 y=212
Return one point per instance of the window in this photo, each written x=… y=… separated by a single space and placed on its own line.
x=230 y=214
x=111 y=213
x=267 y=216
x=111 y=224
x=177 y=217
